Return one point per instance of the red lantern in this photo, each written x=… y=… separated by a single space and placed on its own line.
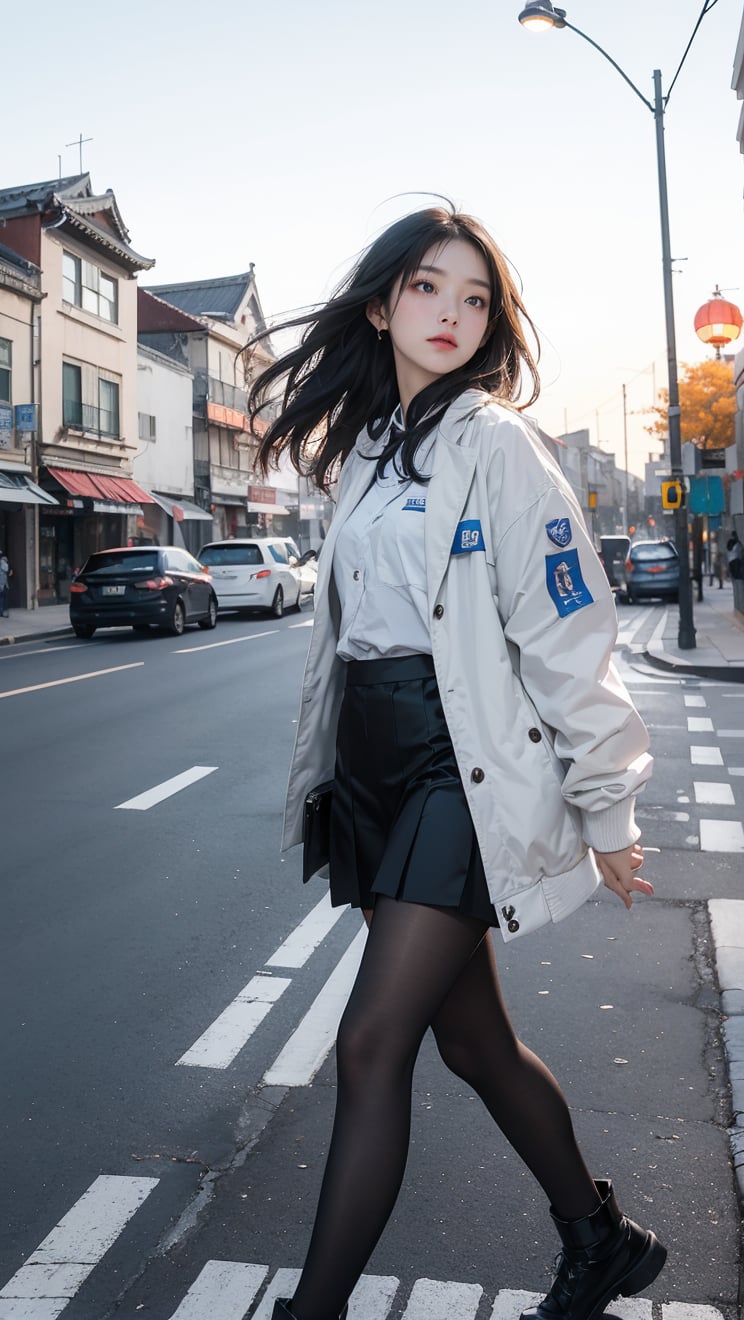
x=718 y=322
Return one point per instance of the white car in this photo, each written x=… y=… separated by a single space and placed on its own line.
x=253 y=573
x=305 y=565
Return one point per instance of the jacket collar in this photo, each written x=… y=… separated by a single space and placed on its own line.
x=450 y=428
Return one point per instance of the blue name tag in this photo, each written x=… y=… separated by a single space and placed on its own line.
x=566 y=587
x=417 y=504
x=468 y=537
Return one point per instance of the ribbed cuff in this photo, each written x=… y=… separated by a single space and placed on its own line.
x=611 y=829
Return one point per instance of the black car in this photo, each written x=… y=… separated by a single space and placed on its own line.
x=142 y=585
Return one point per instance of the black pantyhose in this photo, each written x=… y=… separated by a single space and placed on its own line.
x=424 y=966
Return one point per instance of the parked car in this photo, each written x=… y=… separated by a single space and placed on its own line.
x=652 y=569
x=613 y=552
x=253 y=574
x=142 y=585
x=305 y=565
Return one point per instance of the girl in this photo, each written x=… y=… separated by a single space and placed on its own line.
x=459 y=690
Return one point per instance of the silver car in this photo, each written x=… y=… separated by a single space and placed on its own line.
x=253 y=573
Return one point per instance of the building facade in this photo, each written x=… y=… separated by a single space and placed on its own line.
x=87 y=433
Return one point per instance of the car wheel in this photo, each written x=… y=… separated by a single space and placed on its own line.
x=277 y=604
x=85 y=630
x=211 y=619
x=178 y=619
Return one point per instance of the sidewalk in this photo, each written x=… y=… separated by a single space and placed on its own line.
x=719 y=637
x=25 y=625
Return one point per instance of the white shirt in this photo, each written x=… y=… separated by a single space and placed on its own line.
x=379 y=568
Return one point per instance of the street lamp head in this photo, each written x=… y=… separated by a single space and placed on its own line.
x=541 y=15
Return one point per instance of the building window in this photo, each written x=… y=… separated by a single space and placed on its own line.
x=108 y=406
x=147 y=426
x=6 y=362
x=72 y=395
x=85 y=285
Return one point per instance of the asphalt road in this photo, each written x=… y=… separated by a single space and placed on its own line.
x=166 y=1102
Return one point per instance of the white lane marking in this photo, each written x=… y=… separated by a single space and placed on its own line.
x=160 y=792
x=225 y=1038
x=224 y=1288
x=730 y=733
x=634 y=1308
x=736 y=769
x=305 y=938
x=725 y=836
x=687 y=1311
x=626 y=635
x=373 y=1297
x=706 y=756
x=43 y=1286
x=15 y=654
x=231 y=641
x=432 y=1299
x=699 y=724
x=283 y=1284
x=76 y=678
x=306 y=623
x=691 y=700
x=307 y=1047
x=658 y=631
x=510 y=1302
x=664 y=727
x=709 y=794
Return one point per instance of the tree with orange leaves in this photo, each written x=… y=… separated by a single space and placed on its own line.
x=707 y=403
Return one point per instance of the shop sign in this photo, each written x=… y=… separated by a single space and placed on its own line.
x=25 y=416
x=262 y=494
x=6 y=426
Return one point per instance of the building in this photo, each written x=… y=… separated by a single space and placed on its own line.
x=164 y=462
x=86 y=392
x=20 y=496
x=205 y=324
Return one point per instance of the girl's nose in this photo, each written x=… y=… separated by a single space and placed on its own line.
x=449 y=314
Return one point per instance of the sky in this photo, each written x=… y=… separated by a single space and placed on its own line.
x=289 y=134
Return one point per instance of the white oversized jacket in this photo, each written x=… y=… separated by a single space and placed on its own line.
x=550 y=748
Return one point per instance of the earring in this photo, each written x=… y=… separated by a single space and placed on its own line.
x=379 y=336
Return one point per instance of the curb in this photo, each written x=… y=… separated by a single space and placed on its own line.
x=661 y=660
x=727 y=926
x=36 y=636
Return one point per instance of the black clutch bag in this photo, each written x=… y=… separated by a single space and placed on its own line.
x=316 y=830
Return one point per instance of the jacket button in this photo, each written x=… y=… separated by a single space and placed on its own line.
x=356 y=575
x=513 y=927
x=438 y=611
x=535 y=735
x=477 y=775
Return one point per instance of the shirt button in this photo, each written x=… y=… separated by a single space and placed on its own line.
x=477 y=775
x=535 y=735
x=356 y=575
x=513 y=927
x=438 y=611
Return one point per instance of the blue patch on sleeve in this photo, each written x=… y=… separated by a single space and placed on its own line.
x=559 y=531
x=566 y=587
x=417 y=504
x=468 y=537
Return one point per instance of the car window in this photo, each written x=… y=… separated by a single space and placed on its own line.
x=123 y=561
x=192 y=564
x=658 y=550
x=226 y=555
x=177 y=560
x=292 y=548
x=278 y=552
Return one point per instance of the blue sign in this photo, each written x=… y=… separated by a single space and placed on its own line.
x=25 y=416
x=706 y=495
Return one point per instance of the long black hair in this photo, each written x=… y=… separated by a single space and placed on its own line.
x=341 y=377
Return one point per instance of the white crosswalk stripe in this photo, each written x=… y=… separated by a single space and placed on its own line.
x=225 y=1288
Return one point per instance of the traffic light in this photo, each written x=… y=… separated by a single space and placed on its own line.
x=592 y=499
x=672 y=495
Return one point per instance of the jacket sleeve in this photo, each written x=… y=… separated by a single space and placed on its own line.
x=560 y=621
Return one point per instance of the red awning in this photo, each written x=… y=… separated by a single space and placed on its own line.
x=120 y=490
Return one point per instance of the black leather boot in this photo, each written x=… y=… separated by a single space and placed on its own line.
x=281 y=1310
x=604 y=1256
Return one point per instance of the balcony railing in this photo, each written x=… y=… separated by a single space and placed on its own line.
x=208 y=389
x=86 y=417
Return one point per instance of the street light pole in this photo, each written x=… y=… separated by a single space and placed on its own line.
x=543 y=14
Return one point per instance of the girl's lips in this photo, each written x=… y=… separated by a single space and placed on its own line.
x=442 y=341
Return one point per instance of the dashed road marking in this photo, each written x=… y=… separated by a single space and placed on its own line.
x=75 y=678
x=724 y=836
x=224 y=1288
x=692 y=699
x=305 y=938
x=231 y=641
x=709 y=794
x=152 y=796
x=706 y=756
x=699 y=724
x=42 y=1287
x=225 y=1038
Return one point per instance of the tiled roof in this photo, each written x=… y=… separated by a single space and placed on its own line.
x=73 y=201
x=218 y=298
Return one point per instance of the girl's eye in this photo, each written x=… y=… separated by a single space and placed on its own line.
x=425 y=286
x=475 y=300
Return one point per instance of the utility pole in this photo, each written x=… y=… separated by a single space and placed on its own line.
x=79 y=143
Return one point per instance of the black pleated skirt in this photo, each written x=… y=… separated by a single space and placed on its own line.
x=400 y=822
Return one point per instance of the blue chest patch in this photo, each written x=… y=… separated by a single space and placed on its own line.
x=559 y=531
x=566 y=587
x=468 y=537
x=416 y=504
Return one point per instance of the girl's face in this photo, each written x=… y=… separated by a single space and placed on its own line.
x=439 y=318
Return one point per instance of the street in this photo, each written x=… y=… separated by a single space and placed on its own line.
x=171 y=992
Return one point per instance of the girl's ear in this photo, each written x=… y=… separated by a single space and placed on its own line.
x=376 y=314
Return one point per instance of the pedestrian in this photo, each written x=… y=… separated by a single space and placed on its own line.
x=735 y=557
x=459 y=691
x=6 y=574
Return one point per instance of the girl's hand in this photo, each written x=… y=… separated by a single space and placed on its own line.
x=617 y=870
